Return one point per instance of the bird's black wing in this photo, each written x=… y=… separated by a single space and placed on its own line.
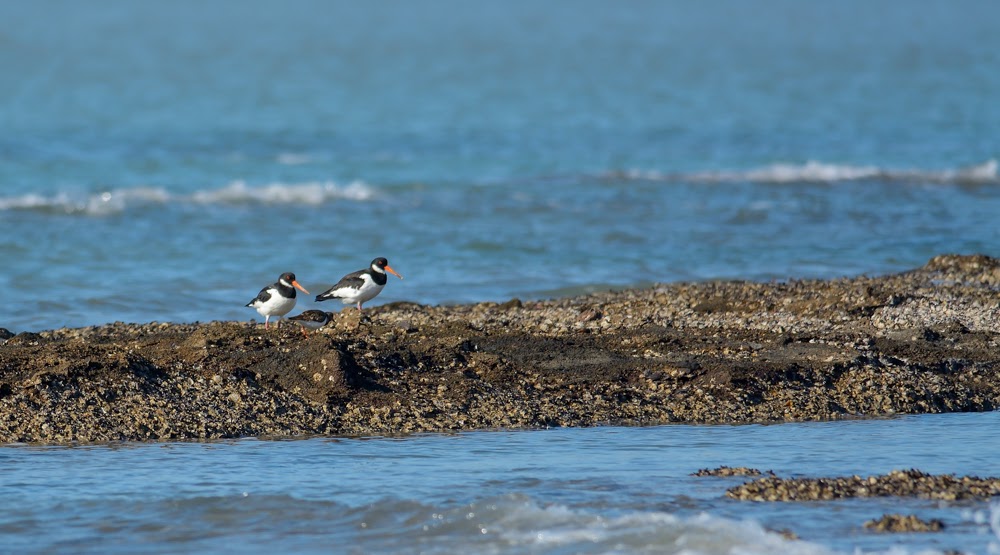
x=352 y=280
x=262 y=297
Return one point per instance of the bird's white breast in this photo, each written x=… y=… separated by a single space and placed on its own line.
x=368 y=290
x=275 y=306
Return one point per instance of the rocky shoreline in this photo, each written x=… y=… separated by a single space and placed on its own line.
x=923 y=341
x=897 y=483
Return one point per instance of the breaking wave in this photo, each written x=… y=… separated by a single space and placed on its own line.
x=819 y=172
x=238 y=192
x=519 y=524
x=115 y=201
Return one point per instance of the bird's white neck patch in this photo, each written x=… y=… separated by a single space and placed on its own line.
x=377 y=269
x=285 y=283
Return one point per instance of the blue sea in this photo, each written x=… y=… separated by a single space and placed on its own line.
x=163 y=161
x=605 y=490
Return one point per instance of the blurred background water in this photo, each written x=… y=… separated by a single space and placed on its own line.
x=164 y=161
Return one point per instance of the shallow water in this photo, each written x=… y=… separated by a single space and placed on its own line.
x=164 y=161
x=596 y=490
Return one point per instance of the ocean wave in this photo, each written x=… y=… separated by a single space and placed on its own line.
x=510 y=524
x=97 y=204
x=518 y=523
x=238 y=192
x=293 y=158
x=819 y=172
x=114 y=201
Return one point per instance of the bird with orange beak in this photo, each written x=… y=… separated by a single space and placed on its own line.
x=277 y=299
x=361 y=286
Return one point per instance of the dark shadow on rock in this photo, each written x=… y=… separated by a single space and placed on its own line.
x=319 y=371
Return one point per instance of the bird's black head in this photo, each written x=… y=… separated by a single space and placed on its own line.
x=288 y=280
x=381 y=265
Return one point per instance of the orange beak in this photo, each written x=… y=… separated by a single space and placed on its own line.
x=299 y=287
x=393 y=272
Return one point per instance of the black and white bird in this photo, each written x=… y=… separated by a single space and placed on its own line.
x=277 y=299
x=311 y=320
x=361 y=286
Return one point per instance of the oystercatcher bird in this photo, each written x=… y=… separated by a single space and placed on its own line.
x=361 y=286
x=277 y=299
x=310 y=319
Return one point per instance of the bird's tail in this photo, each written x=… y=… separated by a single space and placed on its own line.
x=331 y=293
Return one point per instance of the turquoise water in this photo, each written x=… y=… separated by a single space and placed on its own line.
x=164 y=161
x=597 y=490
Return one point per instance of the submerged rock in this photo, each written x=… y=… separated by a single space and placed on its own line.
x=904 y=523
x=727 y=471
x=898 y=483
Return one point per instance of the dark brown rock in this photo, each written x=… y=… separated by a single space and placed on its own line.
x=898 y=483
x=924 y=341
x=904 y=523
x=727 y=471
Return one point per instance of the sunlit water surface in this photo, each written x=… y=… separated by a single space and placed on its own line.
x=595 y=490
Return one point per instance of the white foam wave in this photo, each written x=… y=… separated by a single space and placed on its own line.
x=819 y=172
x=558 y=528
x=519 y=524
x=787 y=173
x=994 y=522
x=293 y=158
x=99 y=204
x=115 y=201
x=281 y=193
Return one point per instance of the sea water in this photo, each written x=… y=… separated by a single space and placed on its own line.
x=164 y=161
x=590 y=490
